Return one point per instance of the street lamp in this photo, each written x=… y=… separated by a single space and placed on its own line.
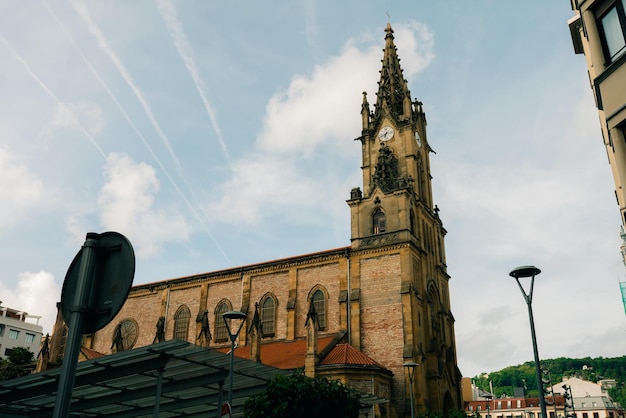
x=228 y=317
x=410 y=367
x=531 y=271
x=489 y=398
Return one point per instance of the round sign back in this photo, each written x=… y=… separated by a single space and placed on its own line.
x=108 y=288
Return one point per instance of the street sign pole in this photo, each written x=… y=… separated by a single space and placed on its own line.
x=75 y=326
x=95 y=288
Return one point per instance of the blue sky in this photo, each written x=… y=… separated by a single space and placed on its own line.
x=216 y=135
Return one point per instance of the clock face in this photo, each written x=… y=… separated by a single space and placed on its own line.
x=386 y=133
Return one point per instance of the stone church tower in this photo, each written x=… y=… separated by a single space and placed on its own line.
x=399 y=272
x=356 y=313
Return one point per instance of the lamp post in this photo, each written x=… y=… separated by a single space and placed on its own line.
x=228 y=317
x=522 y=272
x=489 y=398
x=410 y=367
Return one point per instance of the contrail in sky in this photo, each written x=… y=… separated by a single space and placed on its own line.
x=137 y=131
x=51 y=94
x=175 y=29
x=104 y=45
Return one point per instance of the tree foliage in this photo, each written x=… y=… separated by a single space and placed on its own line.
x=587 y=368
x=299 y=396
x=16 y=364
x=455 y=413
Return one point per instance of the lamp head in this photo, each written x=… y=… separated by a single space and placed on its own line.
x=410 y=365
x=234 y=315
x=524 y=271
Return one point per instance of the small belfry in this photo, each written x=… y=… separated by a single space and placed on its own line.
x=396 y=167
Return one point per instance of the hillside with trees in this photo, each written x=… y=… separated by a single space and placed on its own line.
x=523 y=375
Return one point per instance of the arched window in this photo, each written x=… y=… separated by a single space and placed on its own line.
x=221 y=332
x=181 y=323
x=268 y=316
x=379 y=221
x=319 y=302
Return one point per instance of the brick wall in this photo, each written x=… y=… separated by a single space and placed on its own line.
x=328 y=276
x=277 y=285
x=381 y=315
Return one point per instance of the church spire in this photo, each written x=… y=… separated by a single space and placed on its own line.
x=393 y=91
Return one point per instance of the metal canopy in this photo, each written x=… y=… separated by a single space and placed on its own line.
x=127 y=384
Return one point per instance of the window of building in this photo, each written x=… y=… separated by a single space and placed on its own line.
x=221 y=332
x=519 y=403
x=552 y=414
x=612 y=27
x=181 y=323
x=499 y=405
x=470 y=407
x=594 y=404
x=596 y=415
x=319 y=302
x=508 y=404
x=478 y=407
x=1 y=330
x=585 y=415
x=268 y=316
x=29 y=338
x=379 y=221
x=14 y=334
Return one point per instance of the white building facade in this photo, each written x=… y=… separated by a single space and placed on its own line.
x=19 y=329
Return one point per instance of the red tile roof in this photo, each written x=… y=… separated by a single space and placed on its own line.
x=346 y=354
x=281 y=354
x=89 y=353
x=291 y=354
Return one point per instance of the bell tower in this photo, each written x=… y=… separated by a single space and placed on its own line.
x=398 y=273
x=396 y=167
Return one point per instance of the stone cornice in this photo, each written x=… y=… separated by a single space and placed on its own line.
x=236 y=273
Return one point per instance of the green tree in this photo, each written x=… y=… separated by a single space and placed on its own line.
x=455 y=413
x=16 y=364
x=299 y=396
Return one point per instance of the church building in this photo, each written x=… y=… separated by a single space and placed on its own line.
x=360 y=313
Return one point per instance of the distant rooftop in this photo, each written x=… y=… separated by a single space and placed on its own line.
x=20 y=315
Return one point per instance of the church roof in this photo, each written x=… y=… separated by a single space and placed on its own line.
x=345 y=354
x=288 y=355
x=282 y=354
x=89 y=354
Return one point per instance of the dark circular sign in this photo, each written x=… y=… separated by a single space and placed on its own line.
x=109 y=285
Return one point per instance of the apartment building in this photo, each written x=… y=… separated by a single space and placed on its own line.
x=598 y=30
x=18 y=329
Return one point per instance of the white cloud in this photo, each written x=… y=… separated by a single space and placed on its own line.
x=20 y=189
x=314 y=117
x=35 y=293
x=127 y=206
